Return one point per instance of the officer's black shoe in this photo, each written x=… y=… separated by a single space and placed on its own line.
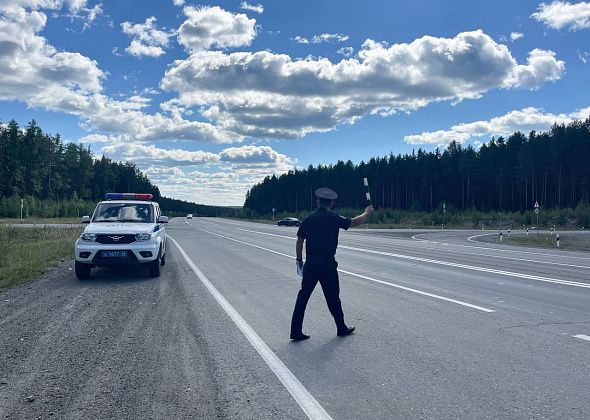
x=299 y=337
x=346 y=331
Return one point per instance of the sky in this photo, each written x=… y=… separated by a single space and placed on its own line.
x=208 y=98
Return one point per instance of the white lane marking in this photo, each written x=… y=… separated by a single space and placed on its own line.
x=450 y=250
x=306 y=401
x=582 y=336
x=470 y=239
x=457 y=265
x=560 y=256
x=420 y=292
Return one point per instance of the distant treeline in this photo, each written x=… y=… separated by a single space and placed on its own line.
x=65 y=180
x=510 y=174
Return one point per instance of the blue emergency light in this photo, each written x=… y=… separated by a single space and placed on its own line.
x=128 y=196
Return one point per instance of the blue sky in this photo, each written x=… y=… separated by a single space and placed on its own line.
x=208 y=98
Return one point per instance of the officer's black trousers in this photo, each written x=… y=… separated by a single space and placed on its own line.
x=327 y=275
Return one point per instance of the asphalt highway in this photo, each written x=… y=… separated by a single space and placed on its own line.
x=447 y=327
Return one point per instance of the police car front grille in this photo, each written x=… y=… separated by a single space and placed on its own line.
x=115 y=239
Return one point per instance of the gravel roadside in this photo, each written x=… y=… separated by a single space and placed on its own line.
x=123 y=345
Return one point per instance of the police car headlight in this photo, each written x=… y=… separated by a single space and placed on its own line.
x=90 y=237
x=143 y=236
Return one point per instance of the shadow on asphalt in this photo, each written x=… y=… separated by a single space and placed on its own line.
x=103 y=276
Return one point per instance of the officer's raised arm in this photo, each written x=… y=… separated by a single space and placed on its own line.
x=362 y=218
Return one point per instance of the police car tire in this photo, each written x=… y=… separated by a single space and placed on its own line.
x=163 y=260
x=154 y=267
x=82 y=270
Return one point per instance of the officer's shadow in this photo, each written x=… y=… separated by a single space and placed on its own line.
x=321 y=350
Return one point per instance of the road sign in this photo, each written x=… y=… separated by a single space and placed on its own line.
x=536 y=211
x=536 y=205
x=273 y=209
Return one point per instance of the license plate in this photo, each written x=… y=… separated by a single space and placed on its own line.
x=114 y=254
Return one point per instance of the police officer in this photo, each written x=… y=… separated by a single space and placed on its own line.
x=320 y=231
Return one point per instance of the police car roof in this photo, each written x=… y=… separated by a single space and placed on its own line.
x=128 y=202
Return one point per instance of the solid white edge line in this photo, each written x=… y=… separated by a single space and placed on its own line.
x=306 y=401
x=458 y=302
x=450 y=264
x=582 y=336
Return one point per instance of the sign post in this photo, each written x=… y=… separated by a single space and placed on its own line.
x=273 y=214
x=444 y=213
x=22 y=205
x=536 y=206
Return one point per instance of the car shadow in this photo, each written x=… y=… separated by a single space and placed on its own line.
x=102 y=276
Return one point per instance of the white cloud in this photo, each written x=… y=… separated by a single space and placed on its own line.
x=95 y=138
x=524 y=120
x=150 y=154
x=14 y=5
x=147 y=40
x=207 y=27
x=346 y=51
x=91 y=15
x=541 y=67
x=137 y=49
x=583 y=56
x=178 y=2
x=267 y=95
x=29 y=66
x=318 y=39
x=200 y=176
x=562 y=14
x=34 y=72
x=514 y=36
x=258 y=8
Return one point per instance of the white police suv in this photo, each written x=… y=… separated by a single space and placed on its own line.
x=126 y=229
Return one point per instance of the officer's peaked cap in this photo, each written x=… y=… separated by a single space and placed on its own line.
x=326 y=193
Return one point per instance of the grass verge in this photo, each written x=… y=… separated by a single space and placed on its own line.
x=571 y=242
x=39 y=220
x=25 y=253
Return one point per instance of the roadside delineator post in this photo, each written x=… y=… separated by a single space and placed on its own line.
x=527 y=231
x=508 y=232
x=500 y=235
x=558 y=240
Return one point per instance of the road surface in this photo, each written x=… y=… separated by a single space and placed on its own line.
x=446 y=328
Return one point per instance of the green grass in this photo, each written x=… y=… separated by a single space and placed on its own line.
x=39 y=220
x=25 y=253
x=567 y=242
x=572 y=243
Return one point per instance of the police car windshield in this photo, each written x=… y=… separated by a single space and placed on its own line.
x=124 y=213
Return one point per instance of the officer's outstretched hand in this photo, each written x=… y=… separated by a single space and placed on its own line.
x=370 y=210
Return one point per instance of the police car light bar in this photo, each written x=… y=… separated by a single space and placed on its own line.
x=128 y=196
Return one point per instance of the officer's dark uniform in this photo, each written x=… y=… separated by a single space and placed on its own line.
x=320 y=231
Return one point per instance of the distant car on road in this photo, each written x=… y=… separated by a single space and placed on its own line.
x=127 y=229
x=289 y=221
x=189 y=216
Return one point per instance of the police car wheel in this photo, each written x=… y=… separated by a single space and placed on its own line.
x=154 y=267
x=163 y=260
x=82 y=270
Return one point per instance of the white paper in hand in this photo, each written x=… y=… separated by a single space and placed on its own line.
x=299 y=268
